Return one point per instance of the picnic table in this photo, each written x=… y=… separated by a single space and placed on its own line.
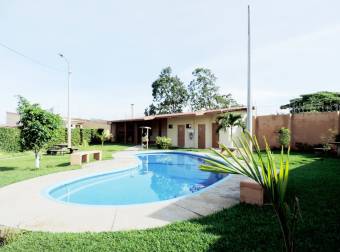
x=60 y=148
x=337 y=144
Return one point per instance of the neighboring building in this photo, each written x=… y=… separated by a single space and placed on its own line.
x=186 y=130
x=12 y=120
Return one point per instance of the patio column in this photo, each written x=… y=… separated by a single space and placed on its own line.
x=124 y=132
x=135 y=134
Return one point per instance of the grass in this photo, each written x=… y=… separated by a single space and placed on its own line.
x=107 y=149
x=15 y=167
x=241 y=228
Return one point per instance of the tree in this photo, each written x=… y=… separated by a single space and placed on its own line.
x=151 y=110
x=284 y=137
x=104 y=136
x=203 y=92
x=225 y=101
x=38 y=127
x=316 y=102
x=169 y=94
x=229 y=120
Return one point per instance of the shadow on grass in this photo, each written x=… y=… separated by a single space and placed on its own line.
x=63 y=164
x=5 y=168
x=250 y=228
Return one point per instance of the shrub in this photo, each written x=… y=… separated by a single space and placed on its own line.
x=105 y=135
x=8 y=235
x=284 y=137
x=327 y=138
x=305 y=147
x=10 y=139
x=95 y=139
x=163 y=142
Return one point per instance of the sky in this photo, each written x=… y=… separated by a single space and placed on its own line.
x=117 y=49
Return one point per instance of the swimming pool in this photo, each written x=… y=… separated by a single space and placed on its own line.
x=160 y=176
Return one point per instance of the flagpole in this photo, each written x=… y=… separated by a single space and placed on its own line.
x=249 y=93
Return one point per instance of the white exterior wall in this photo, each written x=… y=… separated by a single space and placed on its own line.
x=225 y=137
x=173 y=133
x=208 y=120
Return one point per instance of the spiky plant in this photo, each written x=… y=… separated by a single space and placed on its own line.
x=263 y=169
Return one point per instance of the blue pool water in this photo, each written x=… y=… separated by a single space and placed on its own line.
x=161 y=176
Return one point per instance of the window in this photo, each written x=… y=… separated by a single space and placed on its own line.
x=188 y=126
x=170 y=126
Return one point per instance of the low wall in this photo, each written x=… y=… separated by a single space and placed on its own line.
x=306 y=128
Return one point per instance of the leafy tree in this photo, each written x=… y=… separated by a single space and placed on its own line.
x=202 y=89
x=37 y=126
x=151 y=110
x=225 y=101
x=203 y=92
x=229 y=120
x=316 y=102
x=169 y=94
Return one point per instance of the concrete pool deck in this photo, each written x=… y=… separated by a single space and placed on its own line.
x=23 y=205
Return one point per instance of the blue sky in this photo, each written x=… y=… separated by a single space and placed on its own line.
x=117 y=48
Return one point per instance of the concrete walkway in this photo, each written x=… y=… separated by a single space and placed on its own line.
x=23 y=204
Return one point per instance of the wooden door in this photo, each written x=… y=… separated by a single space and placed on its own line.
x=215 y=135
x=201 y=136
x=180 y=136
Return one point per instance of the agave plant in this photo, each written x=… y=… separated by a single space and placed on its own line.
x=263 y=169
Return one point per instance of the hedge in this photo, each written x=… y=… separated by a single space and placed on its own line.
x=10 y=139
x=87 y=135
x=79 y=136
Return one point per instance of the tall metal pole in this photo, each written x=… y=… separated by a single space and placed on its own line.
x=249 y=94
x=69 y=132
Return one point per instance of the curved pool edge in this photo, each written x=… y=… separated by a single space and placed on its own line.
x=24 y=207
x=46 y=191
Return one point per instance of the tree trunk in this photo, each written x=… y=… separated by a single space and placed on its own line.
x=231 y=136
x=37 y=160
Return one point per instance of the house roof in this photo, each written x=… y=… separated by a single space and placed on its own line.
x=195 y=113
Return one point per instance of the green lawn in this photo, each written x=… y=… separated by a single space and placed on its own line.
x=316 y=181
x=19 y=166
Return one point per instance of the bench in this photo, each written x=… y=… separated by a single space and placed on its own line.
x=79 y=157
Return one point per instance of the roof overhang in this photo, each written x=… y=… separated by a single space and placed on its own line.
x=184 y=114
